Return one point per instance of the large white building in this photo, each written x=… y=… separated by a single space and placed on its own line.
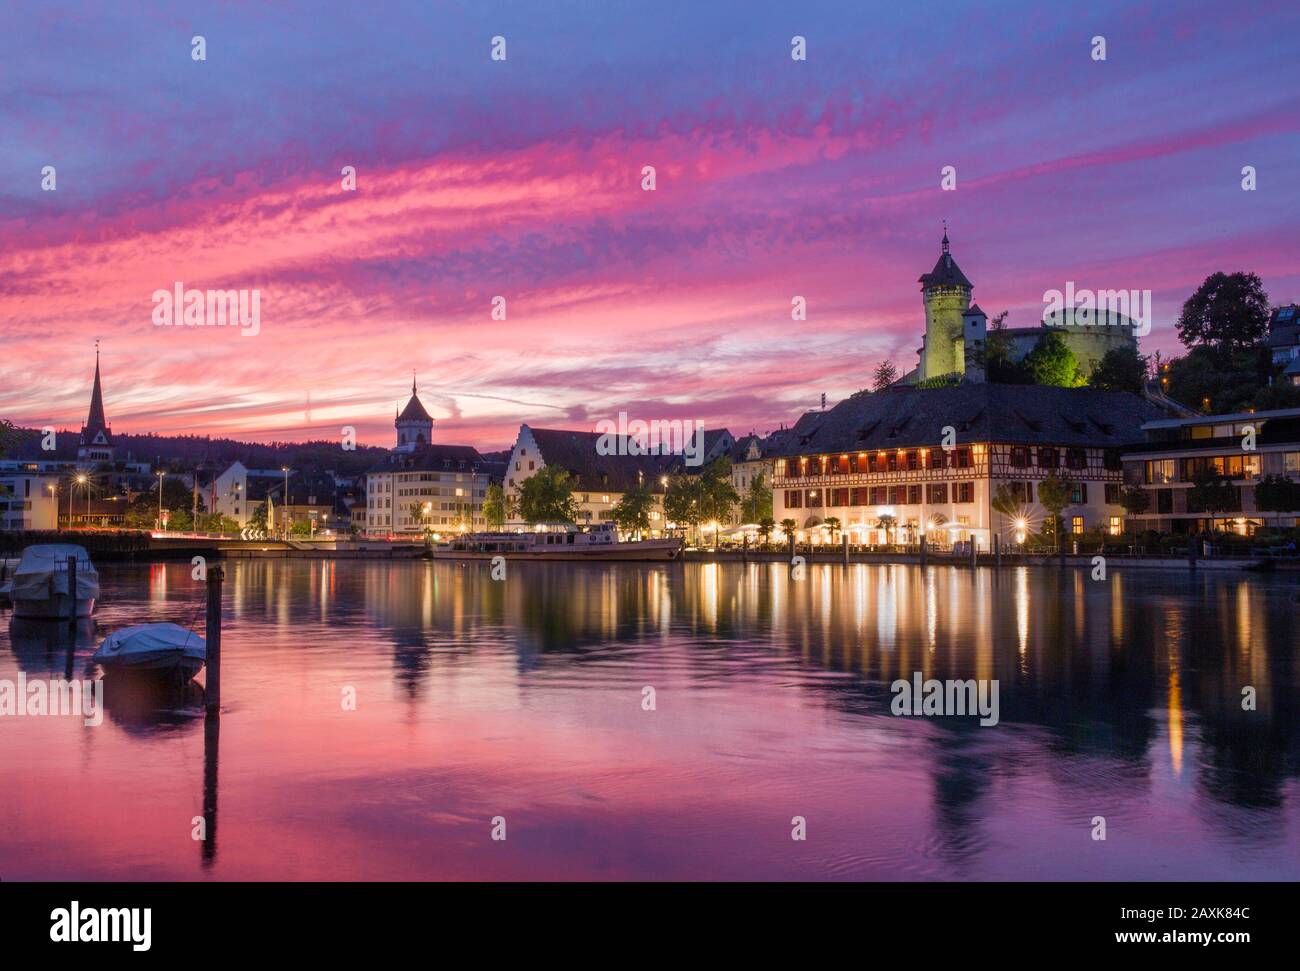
x=424 y=487
x=878 y=464
x=29 y=498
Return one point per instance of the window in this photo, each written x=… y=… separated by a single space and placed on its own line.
x=1112 y=460
x=1079 y=494
x=962 y=456
x=877 y=495
x=1048 y=458
x=814 y=498
x=1160 y=471
x=1020 y=456
x=936 y=492
x=1076 y=458
x=913 y=460
x=1021 y=491
x=794 y=498
x=891 y=462
x=914 y=495
x=897 y=495
x=1116 y=525
x=1112 y=493
x=1164 y=501
x=1076 y=525
x=1291 y=461
x=964 y=491
x=840 y=497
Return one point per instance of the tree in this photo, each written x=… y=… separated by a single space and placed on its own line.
x=8 y=435
x=683 y=503
x=1135 y=500
x=1228 y=312
x=757 y=504
x=718 y=497
x=1211 y=493
x=886 y=374
x=887 y=522
x=1052 y=362
x=1054 y=493
x=495 y=506
x=1277 y=494
x=632 y=512
x=833 y=524
x=1120 y=369
x=788 y=528
x=765 y=526
x=547 y=497
x=258 y=519
x=1218 y=382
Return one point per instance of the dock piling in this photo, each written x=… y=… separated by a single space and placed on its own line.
x=215 y=577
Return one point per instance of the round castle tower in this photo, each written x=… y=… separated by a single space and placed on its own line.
x=946 y=293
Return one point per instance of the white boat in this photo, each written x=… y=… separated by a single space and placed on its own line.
x=154 y=649
x=565 y=542
x=39 y=587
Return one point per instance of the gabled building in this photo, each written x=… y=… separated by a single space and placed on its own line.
x=881 y=457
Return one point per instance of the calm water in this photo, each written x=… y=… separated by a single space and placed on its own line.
x=523 y=699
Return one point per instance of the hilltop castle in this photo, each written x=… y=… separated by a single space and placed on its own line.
x=956 y=330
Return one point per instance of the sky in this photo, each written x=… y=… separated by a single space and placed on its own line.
x=522 y=178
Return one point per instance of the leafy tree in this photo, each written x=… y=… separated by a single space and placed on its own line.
x=1228 y=312
x=757 y=504
x=887 y=523
x=547 y=497
x=1211 y=492
x=8 y=435
x=632 y=512
x=684 y=500
x=1006 y=502
x=495 y=505
x=1135 y=500
x=1218 y=382
x=789 y=527
x=833 y=524
x=1052 y=362
x=1054 y=495
x=1277 y=494
x=718 y=497
x=765 y=526
x=1120 y=369
x=300 y=528
x=886 y=374
x=998 y=353
x=258 y=519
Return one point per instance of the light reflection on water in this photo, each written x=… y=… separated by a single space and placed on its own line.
x=523 y=698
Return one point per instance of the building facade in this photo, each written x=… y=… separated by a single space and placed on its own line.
x=1240 y=448
x=422 y=487
x=29 y=499
x=903 y=463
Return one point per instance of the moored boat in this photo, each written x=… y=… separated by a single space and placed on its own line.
x=39 y=587
x=155 y=649
x=599 y=543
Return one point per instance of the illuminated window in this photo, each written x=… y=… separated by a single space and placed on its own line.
x=1076 y=525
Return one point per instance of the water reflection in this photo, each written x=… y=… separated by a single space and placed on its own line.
x=1122 y=698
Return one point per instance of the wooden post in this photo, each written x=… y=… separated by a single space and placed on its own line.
x=72 y=589
x=744 y=548
x=974 y=550
x=844 y=540
x=922 y=549
x=997 y=551
x=215 y=576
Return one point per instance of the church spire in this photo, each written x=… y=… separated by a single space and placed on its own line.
x=945 y=236
x=96 y=442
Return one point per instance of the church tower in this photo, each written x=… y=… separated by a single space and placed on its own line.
x=946 y=293
x=414 y=425
x=96 y=444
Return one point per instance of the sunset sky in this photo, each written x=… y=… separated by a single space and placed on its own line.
x=522 y=178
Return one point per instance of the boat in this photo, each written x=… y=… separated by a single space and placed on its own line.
x=156 y=649
x=565 y=542
x=39 y=587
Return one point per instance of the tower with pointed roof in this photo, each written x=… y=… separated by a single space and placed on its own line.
x=96 y=443
x=946 y=293
x=414 y=424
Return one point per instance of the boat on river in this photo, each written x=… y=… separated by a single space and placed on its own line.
x=600 y=543
x=39 y=587
x=167 y=650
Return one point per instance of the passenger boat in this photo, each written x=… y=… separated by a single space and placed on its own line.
x=39 y=587
x=567 y=542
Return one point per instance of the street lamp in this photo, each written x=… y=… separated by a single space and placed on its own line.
x=82 y=480
x=160 y=473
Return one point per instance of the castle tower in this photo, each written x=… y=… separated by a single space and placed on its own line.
x=414 y=425
x=946 y=293
x=96 y=443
